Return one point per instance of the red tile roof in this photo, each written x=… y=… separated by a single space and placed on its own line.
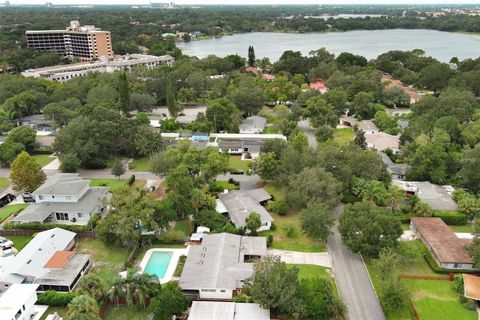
x=59 y=260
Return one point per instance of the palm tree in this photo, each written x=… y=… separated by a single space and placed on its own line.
x=135 y=288
x=83 y=307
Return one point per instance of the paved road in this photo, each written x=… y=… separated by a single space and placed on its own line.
x=246 y=182
x=350 y=273
x=316 y=258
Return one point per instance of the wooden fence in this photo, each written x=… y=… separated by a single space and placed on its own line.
x=29 y=233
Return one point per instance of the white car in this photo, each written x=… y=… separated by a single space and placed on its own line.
x=5 y=243
x=7 y=252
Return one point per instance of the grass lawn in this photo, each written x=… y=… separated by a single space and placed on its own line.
x=308 y=271
x=108 y=259
x=62 y=312
x=468 y=228
x=275 y=190
x=437 y=300
x=114 y=184
x=43 y=159
x=4 y=183
x=183 y=226
x=124 y=313
x=236 y=163
x=142 y=164
x=405 y=226
x=20 y=242
x=7 y=211
x=227 y=185
x=343 y=136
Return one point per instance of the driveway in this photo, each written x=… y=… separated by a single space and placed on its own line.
x=309 y=132
x=246 y=182
x=316 y=258
x=352 y=279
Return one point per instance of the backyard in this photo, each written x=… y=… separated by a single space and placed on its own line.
x=343 y=136
x=125 y=313
x=237 y=164
x=7 y=211
x=114 y=184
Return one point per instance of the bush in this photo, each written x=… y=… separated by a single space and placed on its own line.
x=240 y=299
x=55 y=299
x=269 y=240
x=470 y=304
x=42 y=227
x=289 y=230
x=171 y=237
x=279 y=207
x=437 y=269
x=349 y=198
x=452 y=218
x=92 y=223
x=131 y=180
x=273 y=227
x=233 y=181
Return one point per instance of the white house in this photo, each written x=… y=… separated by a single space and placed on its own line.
x=17 y=303
x=64 y=198
x=216 y=268
x=238 y=204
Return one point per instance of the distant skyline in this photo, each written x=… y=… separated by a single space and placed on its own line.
x=246 y=2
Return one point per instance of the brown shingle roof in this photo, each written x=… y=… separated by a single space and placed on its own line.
x=446 y=246
x=59 y=260
x=471 y=284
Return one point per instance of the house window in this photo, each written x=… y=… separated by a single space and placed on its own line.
x=61 y=216
x=456 y=265
x=209 y=290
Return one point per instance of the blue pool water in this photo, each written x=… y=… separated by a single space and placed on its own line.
x=158 y=263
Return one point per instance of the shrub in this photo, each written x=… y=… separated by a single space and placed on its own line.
x=452 y=218
x=131 y=180
x=273 y=227
x=279 y=207
x=470 y=304
x=269 y=240
x=171 y=237
x=240 y=299
x=92 y=223
x=41 y=227
x=55 y=299
x=233 y=181
x=289 y=230
x=457 y=284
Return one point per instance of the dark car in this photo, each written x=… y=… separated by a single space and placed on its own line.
x=6 y=199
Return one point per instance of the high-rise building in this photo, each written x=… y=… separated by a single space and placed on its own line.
x=83 y=42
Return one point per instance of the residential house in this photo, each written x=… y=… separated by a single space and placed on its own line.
x=64 y=198
x=238 y=204
x=382 y=141
x=390 y=82
x=471 y=285
x=397 y=170
x=213 y=310
x=268 y=77
x=368 y=127
x=438 y=197
x=44 y=127
x=18 y=302
x=253 y=124
x=47 y=261
x=319 y=85
x=248 y=149
x=446 y=248
x=217 y=267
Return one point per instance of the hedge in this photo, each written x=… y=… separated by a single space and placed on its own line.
x=41 y=227
x=437 y=269
x=55 y=299
x=452 y=218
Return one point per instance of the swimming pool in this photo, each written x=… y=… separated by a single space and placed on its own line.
x=158 y=263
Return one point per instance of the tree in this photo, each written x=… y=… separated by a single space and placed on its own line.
x=474 y=247
x=172 y=105
x=123 y=93
x=253 y=222
x=469 y=174
x=83 y=307
x=223 y=114
x=142 y=102
x=25 y=103
x=23 y=135
x=428 y=163
x=320 y=112
x=69 y=163
x=435 y=76
x=395 y=97
x=360 y=139
x=273 y=285
x=26 y=174
x=251 y=56
x=362 y=104
x=249 y=100
x=266 y=165
x=319 y=299
x=118 y=168
x=299 y=141
x=9 y=151
x=324 y=133
x=92 y=285
x=313 y=185
x=134 y=287
x=169 y=302
x=367 y=229
x=316 y=221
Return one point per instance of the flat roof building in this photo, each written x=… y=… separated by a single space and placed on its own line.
x=217 y=267
x=211 y=310
x=17 y=303
x=446 y=248
x=83 y=42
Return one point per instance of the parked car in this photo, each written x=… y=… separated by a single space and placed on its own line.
x=8 y=252
x=5 y=243
x=27 y=197
x=6 y=199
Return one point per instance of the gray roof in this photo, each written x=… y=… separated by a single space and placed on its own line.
x=252 y=144
x=367 y=125
x=393 y=168
x=37 y=119
x=65 y=184
x=64 y=276
x=210 y=310
x=253 y=123
x=436 y=196
x=218 y=262
x=240 y=203
x=38 y=212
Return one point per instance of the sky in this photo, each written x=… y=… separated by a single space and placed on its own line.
x=279 y=2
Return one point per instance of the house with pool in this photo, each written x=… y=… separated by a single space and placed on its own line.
x=161 y=262
x=216 y=268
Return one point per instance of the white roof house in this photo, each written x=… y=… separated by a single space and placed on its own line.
x=217 y=267
x=381 y=141
x=253 y=124
x=437 y=196
x=47 y=261
x=17 y=303
x=209 y=310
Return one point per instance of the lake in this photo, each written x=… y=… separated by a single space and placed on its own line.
x=440 y=45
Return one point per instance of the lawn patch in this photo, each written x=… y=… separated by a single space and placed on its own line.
x=183 y=226
x=275 y=190
x=125 y=313
x=180 y=265
x=141 y=164
x=42 y=159
x=436 y=300
x=343 y=136
x=20 y=242
x=4 y=183
x=114 y=184
x=309 y=271
x=236 y=163
x=62 y=312
x=7 y=211
x=468 y=228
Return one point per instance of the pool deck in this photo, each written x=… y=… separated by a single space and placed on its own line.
x=176 y=253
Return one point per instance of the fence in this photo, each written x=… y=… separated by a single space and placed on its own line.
x=120 y=301
x=450 y=277
x=29 y=233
